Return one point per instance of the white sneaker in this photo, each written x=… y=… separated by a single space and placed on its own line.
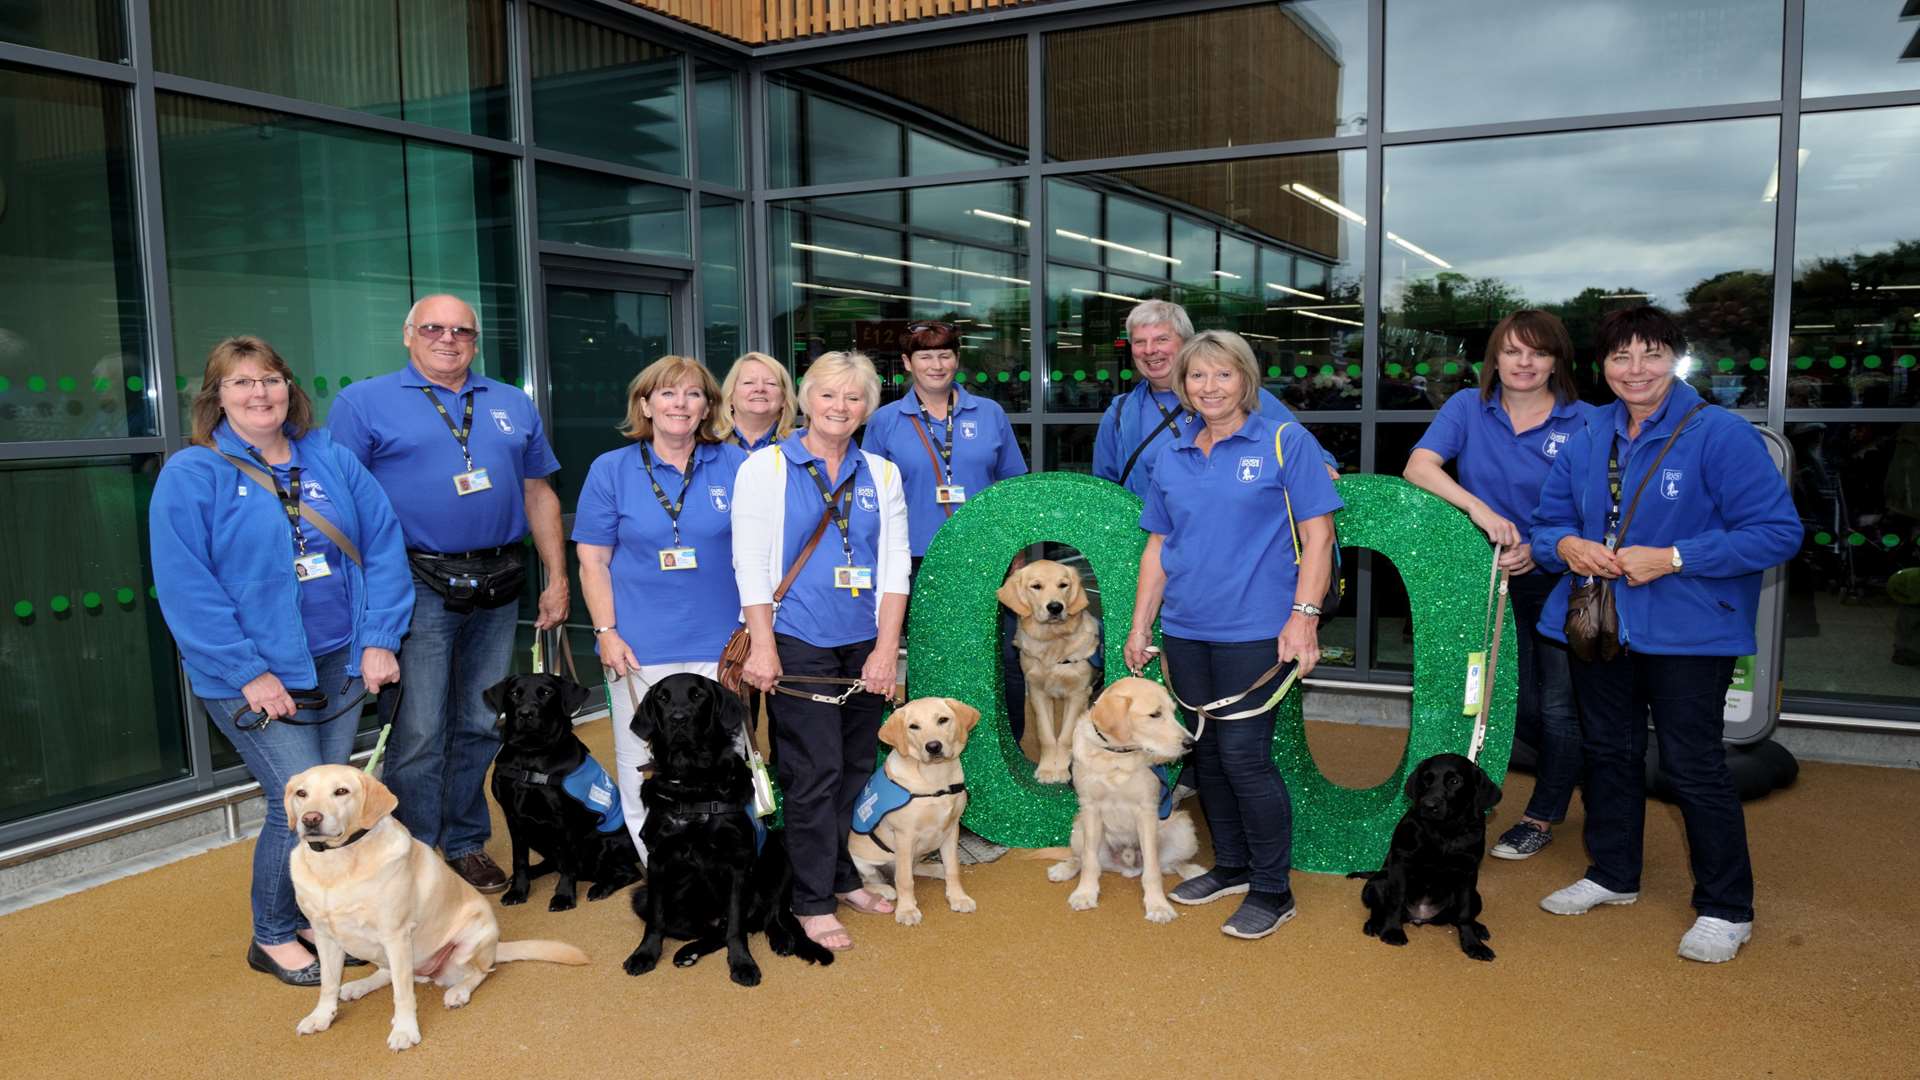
x=1715 y=941
x=1583 y=896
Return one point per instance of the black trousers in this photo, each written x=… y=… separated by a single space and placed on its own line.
x=823 y=755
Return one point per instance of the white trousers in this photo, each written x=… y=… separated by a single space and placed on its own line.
x=630 y=753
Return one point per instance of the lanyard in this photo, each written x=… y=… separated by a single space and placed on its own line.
x=838 y=503
x=674 y=507
x=289 y=497
x=946 y=448
x=465 y=429
x=1613 y=492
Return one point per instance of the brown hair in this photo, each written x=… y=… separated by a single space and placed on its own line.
x=923 y=336
x=671 y=371
x=228 y=355
x=1535 y=329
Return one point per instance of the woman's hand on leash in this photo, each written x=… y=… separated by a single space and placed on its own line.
x=1517 y=559
x=762 y=668
x=1300 y=640
x=267 y=696
x=878 y=673
x=616 y=655
x=1498 y=529
x=1587 y=558
x=1139 y=650
x=378 y=668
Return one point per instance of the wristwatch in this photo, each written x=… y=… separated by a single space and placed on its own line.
x=1676 y=559
x=1308 y=609
x=598 y=630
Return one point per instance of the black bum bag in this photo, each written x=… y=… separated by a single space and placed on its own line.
x=474 y=579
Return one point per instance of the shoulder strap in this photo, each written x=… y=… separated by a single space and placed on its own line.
x=1654 y=468
x=1280 y=462
x=939 y=471
x=307 y=513
x=793 y=571
x=1165 y=423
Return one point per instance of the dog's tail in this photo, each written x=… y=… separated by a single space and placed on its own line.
x=553 y=952
x=1047 y=853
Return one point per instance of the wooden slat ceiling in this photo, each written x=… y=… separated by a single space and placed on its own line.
x=761 y=22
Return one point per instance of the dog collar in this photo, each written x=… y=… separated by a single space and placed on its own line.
x=1111 y=747
x=318 y=846
x=701 y=809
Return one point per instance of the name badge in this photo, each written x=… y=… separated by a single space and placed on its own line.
x=308 y=567
x=680 y=558
x=467 y=483
x=949 y=493
x=853 y=578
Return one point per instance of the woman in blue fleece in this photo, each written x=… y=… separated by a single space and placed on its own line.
x=261 y=600
x=1711 y=518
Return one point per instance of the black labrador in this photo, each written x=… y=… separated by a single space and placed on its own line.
x=547 y=786
x=1432 y=872
x=706 y=885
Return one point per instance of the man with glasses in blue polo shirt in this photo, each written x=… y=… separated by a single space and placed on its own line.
x=464 y=460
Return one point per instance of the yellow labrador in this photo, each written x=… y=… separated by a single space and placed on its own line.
x=1057 y=639
x=371 y=889
x=1118 y=825
x=927 y=794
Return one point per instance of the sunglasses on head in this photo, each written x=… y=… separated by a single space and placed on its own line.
x=923 y=327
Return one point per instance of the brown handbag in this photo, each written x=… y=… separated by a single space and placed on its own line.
x=733 y=656
x=1593 y=624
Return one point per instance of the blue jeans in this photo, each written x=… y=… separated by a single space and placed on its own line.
x=443 y=738
x=1241 y=792
x=1686 y=698
x=275 y=753
x=1546 y=699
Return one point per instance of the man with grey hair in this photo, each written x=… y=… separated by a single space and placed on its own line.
x=464 y=460
x=1138 y=423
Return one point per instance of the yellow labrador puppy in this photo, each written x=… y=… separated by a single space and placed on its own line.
x=1125 y=822
x=912 y=806
x=371 y=889
x=1057 y=639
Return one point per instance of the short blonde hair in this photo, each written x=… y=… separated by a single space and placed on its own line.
x=788 y=395
x=226 y=356
x=1219 y=347
x=669 y=371
x=843 y=368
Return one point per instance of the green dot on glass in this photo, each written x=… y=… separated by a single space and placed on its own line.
x=1004 y=376
x=179 y=382
x=1126 y=374
x=1725 y=363
x=1395 y=370
x=1326 y=369
x=1079 y=376
x=101 y=385
x=6 y=384
x=123 y=595
x=23 y=608
x=60 y=603
x=1758 y=363
x=1890 y=540
x=1803 y=362
x=1836 y=362
x=1273 y=371
x=1450 y=368
x=1905 y=361
x=320 y=385
x=36 y=384
x=1300 y=371
x=897 y=379
x=1856 y=539
x=346 y=381
x=1100 y=374
x=1421 y=368
x=67 y=384
x=153 y=591
x=1823 y=538
x=1353 y=371
x=1058 y=375
x=1026 y=376
x=1873 y=361
x=91 y=601
x=979 y=376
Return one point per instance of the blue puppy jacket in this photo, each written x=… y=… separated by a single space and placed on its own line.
x=590 y=786
x=879 y=798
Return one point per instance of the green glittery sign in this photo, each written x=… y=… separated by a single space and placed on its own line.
x=954 y=650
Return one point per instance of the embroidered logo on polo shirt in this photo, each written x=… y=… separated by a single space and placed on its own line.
x=868 y=500
x=1551 y=448
x=502 y=421
x=969 y=429
x=1670 y=482
x=311 y=491
x=1250 y=469
x=719 y=496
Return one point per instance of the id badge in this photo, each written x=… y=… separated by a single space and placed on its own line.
x=467 y=483
x=308 y=567
x=678 y=558
x=853 y=577
x=945 y=494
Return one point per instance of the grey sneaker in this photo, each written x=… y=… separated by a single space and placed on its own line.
x=1211 y=886
x=1524 y=839
x=1715 y=941
x=1583 y=896
x=1256 y=920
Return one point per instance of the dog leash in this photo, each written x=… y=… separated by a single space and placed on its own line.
x=764 y=802
x=1496 y=613
x=1211 y=710
x=303 y=701
x=853 y=686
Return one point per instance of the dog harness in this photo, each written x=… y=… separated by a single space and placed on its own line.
x=882 y=796
x=587 y=784
x=713 y=809
x=1164 y=772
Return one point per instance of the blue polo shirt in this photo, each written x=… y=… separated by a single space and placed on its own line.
x=326 y=608
x=1228 y=553
x=984 y=451
x=666 y=616
x=1501 y=468
x=400 y=437
x=1135 y=413
x=814 y=611
x=738 y=438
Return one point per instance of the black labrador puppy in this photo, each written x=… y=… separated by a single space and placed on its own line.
x=556 y=799
x=706 y=884
x=1432 y=872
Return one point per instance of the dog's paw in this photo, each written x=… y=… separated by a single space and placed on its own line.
x=1371 y=927
x=1062 y=871
x=404 y=1034
x=1480 y=931
x=1084 y=899
x=457 y=996
x=641 y=961
x=1394 y=936
x=1161 y=912
x=883 y=891
x=1051 y=774
x=963 y=904
x=561 y=903
x=360 y=988
x=316 y=1022
x=601 y=892
x=512 y=897
x=1477 y=951
x=744 y=972
x=907 y=915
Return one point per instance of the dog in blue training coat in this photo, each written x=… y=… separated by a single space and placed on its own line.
x=912 y=805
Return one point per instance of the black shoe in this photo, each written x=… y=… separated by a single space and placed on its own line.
x=1211 y=886
x=1259 y=917
x=352 y=960
x=260 y=961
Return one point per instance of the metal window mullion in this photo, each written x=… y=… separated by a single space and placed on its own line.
x=899 y=183
x=1880 y=100
x=1037 y=306
x=1600 y=121
x=46 y=61
x=582 y=163
x=57 y=449
x=1366 y=619
x=533 y=298
x=757 y=255
x=1200 y=155
x=1786 y=212
x=331 y=114
x=696 y=347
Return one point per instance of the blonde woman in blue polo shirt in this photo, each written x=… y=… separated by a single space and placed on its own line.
x=654 y=530
x=1503 y=437
x=840 y=620
x=1221 y=572
x=756 y=402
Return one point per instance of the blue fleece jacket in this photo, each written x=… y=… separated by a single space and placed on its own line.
x=223 y=565
x=1718 y=499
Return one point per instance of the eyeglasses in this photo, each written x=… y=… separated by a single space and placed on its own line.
x=461 y=334
x=923 y=327
x=246 y=385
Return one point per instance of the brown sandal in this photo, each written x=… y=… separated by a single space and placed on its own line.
x=875 y=905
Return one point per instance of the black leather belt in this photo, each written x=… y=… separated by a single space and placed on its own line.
x=482 y=553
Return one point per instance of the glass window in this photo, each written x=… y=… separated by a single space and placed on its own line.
x=1853 y=591
x=603 y=94
x=91 y=28
x=722 y=295
x=852 y=273
x=1270 y=248
x=78 y=593
x=439 y=62
x=1856 y=262
x=318 y=238
x=1859 y=47
x=72 y=320
x=599 y=339
x=1069 y=448
x=916 y=113
x=1579 y=224
x=717 y=110
x=1262 y=73
x=578 y=207
x=1484 y=61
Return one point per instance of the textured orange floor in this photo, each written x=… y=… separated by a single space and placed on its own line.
x=145 y=977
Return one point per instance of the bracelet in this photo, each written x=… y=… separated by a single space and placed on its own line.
x=598 y=630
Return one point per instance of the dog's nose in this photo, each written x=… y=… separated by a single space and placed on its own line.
x=934 y=748
x=1055 y=607
x=311 y=819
